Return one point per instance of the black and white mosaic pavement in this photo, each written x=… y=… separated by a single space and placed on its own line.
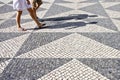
x=81 y=41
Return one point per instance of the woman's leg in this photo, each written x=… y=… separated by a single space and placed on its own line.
x=35 y=6
x=32 y=14
x=18 y=20
x=34 y=9
x=38 y=5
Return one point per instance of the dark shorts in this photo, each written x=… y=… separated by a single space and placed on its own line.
x=35 y=2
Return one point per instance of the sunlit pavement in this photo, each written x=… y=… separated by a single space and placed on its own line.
x=81 y=41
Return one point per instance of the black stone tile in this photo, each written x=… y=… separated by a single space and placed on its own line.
x=41 y=9
x=1 y=19
x=103 y=22
x=111 y=0
x=109 y=68
x=12 y=22
x=90 y=1
x=95 y=9
x=36 y=40
x=117 y=18
x=114 y=8
x=62 y=1
x=109 y=39
x=5 y=9
x=6 y=36
x=4 y=59
x=31 y=69
x=45 y=2
x=57 y=9
x=11 y=2
x=1 y=2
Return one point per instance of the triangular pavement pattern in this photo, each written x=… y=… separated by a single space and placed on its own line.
x=111 y=1
x=69 y=5
x=11 y=2
x=35 y=68
x=79 y=26
x=6 y=36
x=107 y=5
x=103 y=22
x=73 y=70
x=117 y=22
x=96 y=9
x=1 y=2
x=8 y=15
x=36 y=40
x=56 y=9
x=107 y=67
x=73 y=46
x=6 y=1
x=109 y=39
x=113 y=14
x=115 y=8
x=12 y=22
x=3 y=65
x=117 y=19
x=5 y=9
x=10 y=47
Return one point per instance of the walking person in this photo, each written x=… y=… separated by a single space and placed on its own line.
x=35 y=5
x=20 y=5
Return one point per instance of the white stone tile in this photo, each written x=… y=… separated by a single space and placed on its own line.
x=10 y=47
x=73 y=70
x=73 y=46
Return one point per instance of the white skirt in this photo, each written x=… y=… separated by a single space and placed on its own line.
x=20 y=5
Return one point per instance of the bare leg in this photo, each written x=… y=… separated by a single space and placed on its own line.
x=35 y=9
x=32 y=14
x=38 y=5
x=18 y=20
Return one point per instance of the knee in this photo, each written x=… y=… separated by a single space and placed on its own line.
x=19 y=12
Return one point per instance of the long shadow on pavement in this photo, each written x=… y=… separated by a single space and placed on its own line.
x=59 y=22
x=72 y=16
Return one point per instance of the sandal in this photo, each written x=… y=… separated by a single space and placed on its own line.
x=41 y=25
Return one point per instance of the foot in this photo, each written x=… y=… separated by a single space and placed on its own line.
x=21 y=29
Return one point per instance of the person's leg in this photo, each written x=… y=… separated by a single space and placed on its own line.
x=18 y=20
x=34 y=18
x=36 y=5
x=34 y=9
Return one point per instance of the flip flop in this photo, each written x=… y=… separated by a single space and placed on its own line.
x=40 y=27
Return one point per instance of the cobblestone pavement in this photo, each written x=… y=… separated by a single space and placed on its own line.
x=81 y=41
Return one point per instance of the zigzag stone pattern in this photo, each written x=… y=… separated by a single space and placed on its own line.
x=81 y=41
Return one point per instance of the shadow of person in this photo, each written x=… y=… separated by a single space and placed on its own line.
x=72 y=16
x=69 y=25
x=58 y=22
